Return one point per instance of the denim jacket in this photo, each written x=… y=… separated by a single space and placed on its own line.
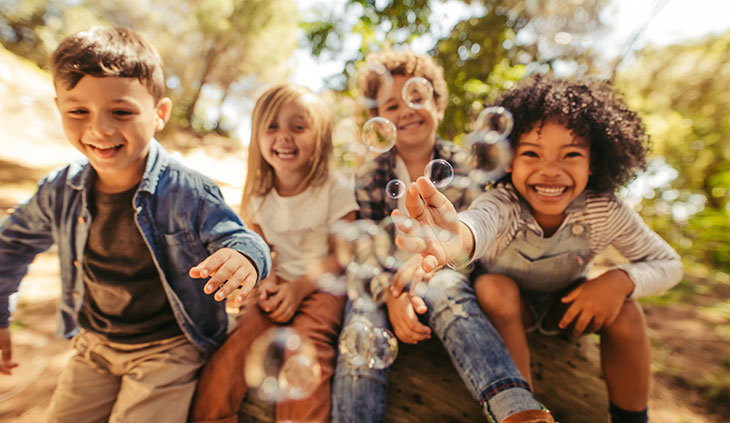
x=181 y=216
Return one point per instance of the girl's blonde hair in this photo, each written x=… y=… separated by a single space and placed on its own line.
x=260 y=175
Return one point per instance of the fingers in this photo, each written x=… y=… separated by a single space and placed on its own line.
x=419 y=306
x=569 y=316
x=272 y=302
x=584 y=319
x=415 y=205
x=439 y=208
x=283 y=313
x=228 y=269
x=6 y=363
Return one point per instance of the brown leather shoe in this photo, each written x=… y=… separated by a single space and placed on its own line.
x=530 y=416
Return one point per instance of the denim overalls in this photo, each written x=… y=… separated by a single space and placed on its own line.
x=545 y=269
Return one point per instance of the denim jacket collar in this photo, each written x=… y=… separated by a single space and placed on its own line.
x=157 y=162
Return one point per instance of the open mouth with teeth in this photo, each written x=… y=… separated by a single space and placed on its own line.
x=285 y=153
x=106 y=151
x=410 y=125
x=549 y=190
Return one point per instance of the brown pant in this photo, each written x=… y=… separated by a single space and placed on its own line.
x=222 y=385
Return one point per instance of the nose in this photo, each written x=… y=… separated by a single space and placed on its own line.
x=550 y=167
x=102 y=125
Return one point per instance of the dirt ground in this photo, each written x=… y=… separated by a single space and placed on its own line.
x=690 y=338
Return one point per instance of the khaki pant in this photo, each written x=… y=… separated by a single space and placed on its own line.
x=222 y=386
x=107 y=381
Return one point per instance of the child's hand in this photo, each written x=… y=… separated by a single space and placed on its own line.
x=411 y=273
x=598 y=300
x=435 y=217
x=402 y=313
x=280 y=302
x=6 y=363
x=228 y=265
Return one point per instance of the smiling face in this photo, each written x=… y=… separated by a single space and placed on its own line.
x=416 y=127
x=550 y=169
x=288 y=142
x=111 y=120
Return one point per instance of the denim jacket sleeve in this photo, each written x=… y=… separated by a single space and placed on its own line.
x=24 y=233
x=220 y=227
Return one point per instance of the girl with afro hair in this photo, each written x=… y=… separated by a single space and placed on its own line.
x=575 y=142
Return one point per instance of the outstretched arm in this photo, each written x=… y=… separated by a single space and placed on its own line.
x=434 y=231
x=228 y=269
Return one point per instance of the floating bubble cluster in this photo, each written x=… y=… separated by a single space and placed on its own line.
x=362 y=344
x=282 y=365
x=488 y=145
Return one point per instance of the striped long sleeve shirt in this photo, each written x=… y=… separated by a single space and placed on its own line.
x=496 y=216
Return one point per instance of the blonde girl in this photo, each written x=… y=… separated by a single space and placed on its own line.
x=290 y=198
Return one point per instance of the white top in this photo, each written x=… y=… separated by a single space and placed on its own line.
x=496 y=216
x=297 y=227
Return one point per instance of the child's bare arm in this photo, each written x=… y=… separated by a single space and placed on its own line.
x=597 y=302
x=228 y=269
x=6 y=363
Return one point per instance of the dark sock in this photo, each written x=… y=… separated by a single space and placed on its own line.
x=619 y=415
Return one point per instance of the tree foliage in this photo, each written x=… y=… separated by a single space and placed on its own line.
x=682 y=93
x=212 y=43
x=481 y=55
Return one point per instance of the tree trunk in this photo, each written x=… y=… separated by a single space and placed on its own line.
x=210 y=61
x=424 y=387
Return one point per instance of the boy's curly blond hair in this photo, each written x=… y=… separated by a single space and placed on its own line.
x=406 y=63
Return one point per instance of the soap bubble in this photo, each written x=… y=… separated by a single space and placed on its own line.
x=364 y=345
x=379 y=134
x=395 y=189
x=380 y=76
x=440 y=172
x=494 y=124
x=282 y=365
x=488 y=146
x=416 y=92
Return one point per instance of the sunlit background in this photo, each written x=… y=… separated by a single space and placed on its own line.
x=669 y=58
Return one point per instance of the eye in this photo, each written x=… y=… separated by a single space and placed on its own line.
x=391 y=107
x=529 y=153
x=272 y=127
x=573 y=154
x=77 y=112
x=122 y=113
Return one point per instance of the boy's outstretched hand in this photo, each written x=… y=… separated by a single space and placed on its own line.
x=437 y=233
x=597 y=302
x=228 y=269
x=6 y=363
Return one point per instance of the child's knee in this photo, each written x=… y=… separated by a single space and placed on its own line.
x=498 y=294
x=629 y=325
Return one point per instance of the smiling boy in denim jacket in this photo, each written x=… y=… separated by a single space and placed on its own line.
x=134 y=230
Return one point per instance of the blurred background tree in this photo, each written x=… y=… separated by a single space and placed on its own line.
x=682 y=92
x=215 y=46
x=220 y=54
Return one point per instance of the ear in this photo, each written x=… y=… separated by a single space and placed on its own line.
x=162 y=113
x=440 y=116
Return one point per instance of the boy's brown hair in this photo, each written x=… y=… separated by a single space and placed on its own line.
x=102 y=52
x=406 y=63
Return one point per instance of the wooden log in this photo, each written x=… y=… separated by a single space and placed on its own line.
x=424 y=387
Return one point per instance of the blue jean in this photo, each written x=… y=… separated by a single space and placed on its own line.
x=359 y=393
